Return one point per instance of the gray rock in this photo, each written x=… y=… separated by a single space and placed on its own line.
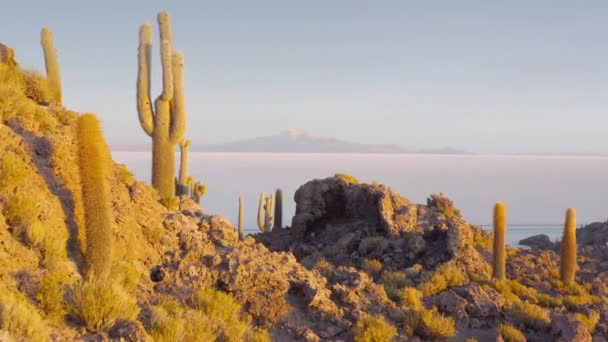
x=540 y=241
x=566 y=328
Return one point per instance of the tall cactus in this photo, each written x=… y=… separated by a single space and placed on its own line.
x=166 y=122
x=567 y=265
x=241 y=219
x=51 y=63
x=500 y=230
x=93 y=161
x=278 y=209
x=261 y=213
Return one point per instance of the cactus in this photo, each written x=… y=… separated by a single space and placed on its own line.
x=500 y=230
x=51 y=64
x=166 y=122
x=198 y=190
x=7 y=55
x=278 y=209
x=261 y=213
x=93 y=160
x=567 y=265
x=241 y=219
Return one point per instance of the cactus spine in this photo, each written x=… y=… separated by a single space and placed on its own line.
x=93 y=160
x=278 y=209
x=500 y=230
x=241 y=219
x=568 y=252
x=166 y=122
x=51 y=63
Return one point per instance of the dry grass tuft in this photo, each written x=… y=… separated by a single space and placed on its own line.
x=99 y=305
x=374 y=328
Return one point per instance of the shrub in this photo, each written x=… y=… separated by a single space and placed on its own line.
x=510 y=333
x=217 y=304
x=169 y=322
x=531 y=315
x=434 y=325
x=443 y=204
x=445 y=276
x=573 y=302
x=412 y=298
x=20 y=318
x=370 y=244
x=590 y=321
x=393 y=282
x=50 y=294
x=347 y=178
x=371 y=267
x=374 y=328
x=549 y=301
x=523 y=292
x=324 y=267
x=98 y=305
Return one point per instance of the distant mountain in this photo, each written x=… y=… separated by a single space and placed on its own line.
x=296 y=141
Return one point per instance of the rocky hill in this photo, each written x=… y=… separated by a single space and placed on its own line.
x=358 y=262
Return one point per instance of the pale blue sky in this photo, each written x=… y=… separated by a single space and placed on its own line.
x=487 y=76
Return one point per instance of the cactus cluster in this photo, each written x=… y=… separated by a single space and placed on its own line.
x=51 y=64
x=269 y=209
x=165 y=120
x=500 y=231
x=93 y=161
x=567 y=265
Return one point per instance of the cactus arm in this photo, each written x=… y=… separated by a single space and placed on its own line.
x=144 y=56
x=183 y=168
x=178 y=109
x=51 y=63
x=261 y=213
x=166 y=56
x=164 y=23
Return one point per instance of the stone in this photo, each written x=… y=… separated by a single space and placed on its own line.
x=540 y=241
x=566 y=328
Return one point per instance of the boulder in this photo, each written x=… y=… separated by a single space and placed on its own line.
x=566 y=328
x=540 y=241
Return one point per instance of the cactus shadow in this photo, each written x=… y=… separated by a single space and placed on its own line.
x=41 y=150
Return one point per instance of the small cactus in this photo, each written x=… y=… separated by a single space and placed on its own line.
x=93 y=161
x=51 y=64
x=567 y=265
x=500 y=230
x=198 y=191
x=278 y=209
x=262 y=213
x=241 y=219
x=165 y=121
x=266 y=212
